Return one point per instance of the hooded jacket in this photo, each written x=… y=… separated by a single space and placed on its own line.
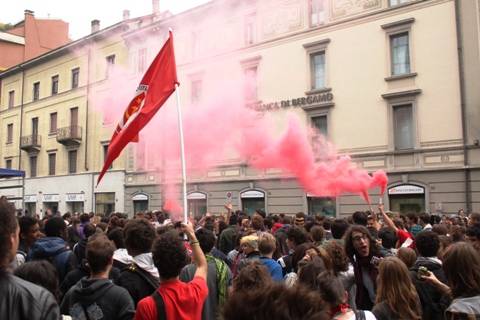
x=55 y=250
x=434 y=303
x=100 y=299
x=20 y=300
x=464 y=308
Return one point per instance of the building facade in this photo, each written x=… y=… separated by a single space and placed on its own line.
x=30 y=38
x=383 y=80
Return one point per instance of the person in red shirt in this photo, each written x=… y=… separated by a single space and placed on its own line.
x=177 y=300
x=405 y=239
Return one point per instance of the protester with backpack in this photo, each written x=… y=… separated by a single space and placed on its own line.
x=54 y=248
x=175 y=299
x=96 y=297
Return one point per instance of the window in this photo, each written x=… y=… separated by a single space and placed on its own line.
x=105 y=153
x=52 y=159
x=105 y=203
x=252 y=200
x=250 y=29
x=11 y=99
x=33 y=166
x=8 y=163
x=142 y=60
x=322 y=205
x=320 y=123
x=397 y=2
x=72 y=161
x=318 y=70
x=53 y=122
x=110 y=63
x=74 y=116
x=10 y=133
x=36 y=91
x=317 y=12
x=75 y=77
x=403 y=129
x=196 y=91
x=400 y=55
x=251 y=84
x=54 y=85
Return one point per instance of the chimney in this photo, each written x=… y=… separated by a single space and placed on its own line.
x=29 y=12
x=95 y=25
x=126 y=14
x=156 y=6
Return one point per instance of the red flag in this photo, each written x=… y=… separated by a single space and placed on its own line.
x=156 y=86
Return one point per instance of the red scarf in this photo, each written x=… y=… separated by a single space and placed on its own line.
x=341 y=308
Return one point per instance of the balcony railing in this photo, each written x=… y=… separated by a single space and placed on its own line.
x=31 y=143
x=69 y=136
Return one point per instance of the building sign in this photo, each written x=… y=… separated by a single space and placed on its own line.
x=51 y=198
x=406 y=189
x=344 y=8
x=140 y=197
x=74 y=197
x=196 y=196
x=252 y=194
x=30 y=199
x=314 y=99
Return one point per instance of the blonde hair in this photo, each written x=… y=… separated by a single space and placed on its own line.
x=396 y=289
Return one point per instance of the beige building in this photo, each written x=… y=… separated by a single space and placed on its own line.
x=50 y=130
x=383 y=80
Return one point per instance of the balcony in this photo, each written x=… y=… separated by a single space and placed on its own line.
x=69 y=136
x=31 y=143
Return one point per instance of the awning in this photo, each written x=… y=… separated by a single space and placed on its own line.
x=9 y=173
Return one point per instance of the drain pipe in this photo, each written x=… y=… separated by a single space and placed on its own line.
x=461 y=72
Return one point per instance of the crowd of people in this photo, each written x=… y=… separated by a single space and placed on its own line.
x=371 y=265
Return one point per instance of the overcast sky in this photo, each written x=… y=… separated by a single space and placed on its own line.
x=79 y=13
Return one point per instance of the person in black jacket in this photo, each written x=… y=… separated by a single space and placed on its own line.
x=97 y=295
x=141 y=277
x=434 y=303
x=19 y=299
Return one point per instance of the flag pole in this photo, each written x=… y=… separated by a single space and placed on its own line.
x=182 y=152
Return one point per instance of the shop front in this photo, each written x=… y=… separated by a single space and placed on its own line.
x=197 y=204
x=252 y=200
x=407 y=198
x=50 y=203
x=75 y=202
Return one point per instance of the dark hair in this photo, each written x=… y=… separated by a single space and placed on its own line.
x=275 y=301
x=427 y=243
x=308 y=273
x=261 y=213
x=408 y=256
x=42 y=273
x=425 y=218
x=331 y=289
x=55 y=227
x=89 y=230
x=257 y=223
x=232 y=220
x=338 y=256
x=338 y=228
x=458 y=233
x=206 y=238
x=84 y=218
x=300 y=252
x=360 y=217
x=317 y=233
x=139 y=235
x=116 y=235
x=413 y=217
x=350 y=250
x=440 y=229
x=460 y=264
x=254 y=275
x=169 y=254
x=389 y=237
x=473 y=231
x=297 y=235
x=99 y=253
x=25 y=223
